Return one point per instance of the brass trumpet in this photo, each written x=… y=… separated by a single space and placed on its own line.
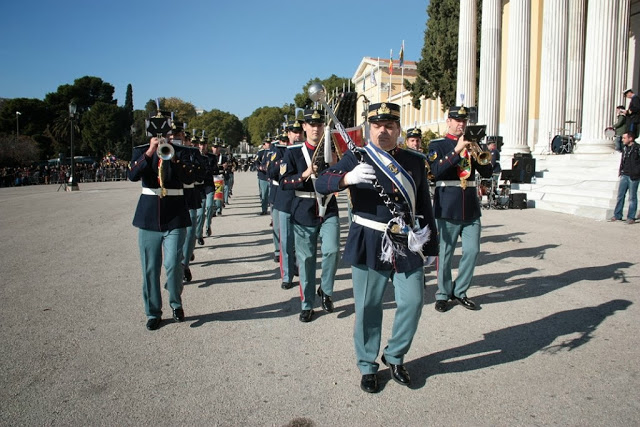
x=482 y=157
x=165 y=150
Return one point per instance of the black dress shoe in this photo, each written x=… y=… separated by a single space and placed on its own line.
x=369 y=383
x=153 y=324
x=209 y=231
x=327 y=304
x=187 y=274
x=466 y=303
x=442 y=306
x=200 y=241
x=178 y=314
x=287 y=285
x=276 y=258
x=398 y=372
x=306 y=315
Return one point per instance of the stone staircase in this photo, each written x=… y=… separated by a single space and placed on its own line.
x=578 y=184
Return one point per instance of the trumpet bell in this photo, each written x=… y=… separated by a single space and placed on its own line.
x=166 y=151
x=317 y=92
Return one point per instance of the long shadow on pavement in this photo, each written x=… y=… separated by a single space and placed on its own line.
x=516 y=342
x=532 y=287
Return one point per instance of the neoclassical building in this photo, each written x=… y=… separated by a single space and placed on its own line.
x=547 y=67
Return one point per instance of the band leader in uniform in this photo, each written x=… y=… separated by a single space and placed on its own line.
x=405 y=217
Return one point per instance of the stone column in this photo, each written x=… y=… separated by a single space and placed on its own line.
x=599 y=77
x=517 y=105
x=575 y=63
x=622 y=53
x=467 y=50
x=553 y=73
x=491 y=39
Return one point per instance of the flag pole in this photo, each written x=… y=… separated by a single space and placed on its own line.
x=379 y=83
x=390 y=74
x=402 y=80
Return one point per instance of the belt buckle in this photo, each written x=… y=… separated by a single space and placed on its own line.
x=463 y=183
x=163 y=192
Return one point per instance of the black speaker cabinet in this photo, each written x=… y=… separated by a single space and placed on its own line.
x=523 y=169
x=518 y=201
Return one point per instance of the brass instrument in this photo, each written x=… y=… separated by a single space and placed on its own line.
x=482 y=157
x=165 y=150
x=475 y=133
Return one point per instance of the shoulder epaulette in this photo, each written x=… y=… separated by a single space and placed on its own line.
x=295 y=145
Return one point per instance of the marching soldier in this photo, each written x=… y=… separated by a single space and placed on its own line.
x=221 y=164
x=161 y=217
x=191 y=194
x=282 y=207
x=456 y=208
x=414 y=139
x=209 y=189
x=313 y=216
x=205 y=187
x=392 y=231
x=263 y=182
x=276 y=144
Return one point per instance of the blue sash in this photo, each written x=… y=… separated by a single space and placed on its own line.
x=396 y=173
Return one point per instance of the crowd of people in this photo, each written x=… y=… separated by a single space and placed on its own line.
x=15 y=176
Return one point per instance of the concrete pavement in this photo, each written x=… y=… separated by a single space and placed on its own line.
x=555 y=342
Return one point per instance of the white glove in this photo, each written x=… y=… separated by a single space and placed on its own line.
x=361 y=174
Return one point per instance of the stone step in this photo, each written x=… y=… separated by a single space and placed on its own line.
x=593 y=212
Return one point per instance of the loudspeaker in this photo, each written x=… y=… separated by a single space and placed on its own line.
x=523 y=169
x=518 y=201
x=473 y=114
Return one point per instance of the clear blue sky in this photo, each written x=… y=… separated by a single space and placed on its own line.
x=234 y=56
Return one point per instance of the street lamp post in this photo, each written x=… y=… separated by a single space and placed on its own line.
x=18 y=114
x=133 y=133
x=73 y=183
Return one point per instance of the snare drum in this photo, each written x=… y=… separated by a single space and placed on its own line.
x=561 y=144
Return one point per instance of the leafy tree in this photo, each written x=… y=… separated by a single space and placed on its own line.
x=438 y=67
x=264 y=121
x=182 y=110
x=22 y=153
x=331 y=84
x=84 y=91
x=128 y=104
x=102 y=129
x=219 y=124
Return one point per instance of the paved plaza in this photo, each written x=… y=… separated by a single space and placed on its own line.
x=555 y=343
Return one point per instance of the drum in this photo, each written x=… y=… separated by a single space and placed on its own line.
x=218 y=183
x=485 y=187
x=355 y=133
x=561 y=144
